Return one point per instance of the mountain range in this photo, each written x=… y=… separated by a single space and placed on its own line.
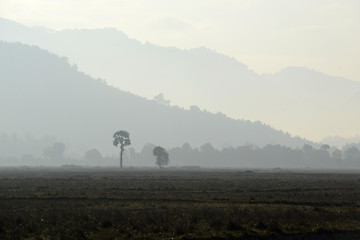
x=296 y=99
x=43 y=94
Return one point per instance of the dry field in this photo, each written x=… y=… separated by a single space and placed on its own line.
x=178 y=204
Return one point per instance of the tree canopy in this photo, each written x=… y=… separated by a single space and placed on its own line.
x=162 y=156
x=121 y=138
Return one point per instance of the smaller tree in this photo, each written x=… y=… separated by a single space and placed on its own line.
x=162 y=157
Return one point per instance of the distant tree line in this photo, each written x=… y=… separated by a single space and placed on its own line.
x=248 y=156
x=270 y=156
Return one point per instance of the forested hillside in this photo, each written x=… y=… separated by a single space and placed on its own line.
x=42 y=94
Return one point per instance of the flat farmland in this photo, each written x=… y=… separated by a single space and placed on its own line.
x=60 y=203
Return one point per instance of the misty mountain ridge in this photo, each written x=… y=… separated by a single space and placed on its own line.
x=296 y=99
x=42 y=94
x=145 y=69
x=341 y=141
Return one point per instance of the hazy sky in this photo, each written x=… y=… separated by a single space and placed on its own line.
x=266 y=35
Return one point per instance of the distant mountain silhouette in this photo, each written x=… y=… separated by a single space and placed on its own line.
x=295 y=99
x=143 y=69
x=340 y=141
x=41 y=93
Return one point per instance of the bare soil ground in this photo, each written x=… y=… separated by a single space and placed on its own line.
x=174 y=204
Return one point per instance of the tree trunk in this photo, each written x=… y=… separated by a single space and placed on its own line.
x=121 y=156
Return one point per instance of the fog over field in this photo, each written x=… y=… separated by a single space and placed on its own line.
x=66 y=89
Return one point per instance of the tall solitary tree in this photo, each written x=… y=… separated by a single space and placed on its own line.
x=122 y=139
x=162 y=157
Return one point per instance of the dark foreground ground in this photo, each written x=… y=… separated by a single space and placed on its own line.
x=173 y=204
